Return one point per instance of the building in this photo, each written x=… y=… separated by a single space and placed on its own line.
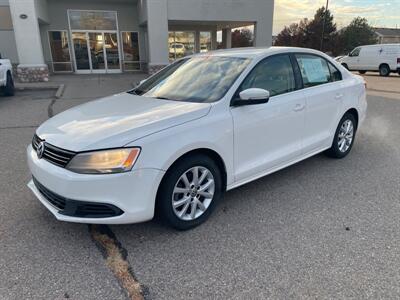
x=111 y=36
x=387 y=35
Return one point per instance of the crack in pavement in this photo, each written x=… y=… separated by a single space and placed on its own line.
x=116 y=261
x=50 y=111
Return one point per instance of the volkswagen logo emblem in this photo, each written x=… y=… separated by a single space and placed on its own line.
x=40 y=150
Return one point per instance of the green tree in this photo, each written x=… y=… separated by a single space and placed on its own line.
x=356 y=34
x=308 y=34
x=292 y=35
x=242 y=38
x=323 y=21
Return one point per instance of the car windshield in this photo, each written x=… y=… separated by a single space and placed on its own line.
x=197 y=79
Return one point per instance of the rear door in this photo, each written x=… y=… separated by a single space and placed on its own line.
x=324 y=93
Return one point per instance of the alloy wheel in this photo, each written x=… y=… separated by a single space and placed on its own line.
x=193 y=193
x=346 y=135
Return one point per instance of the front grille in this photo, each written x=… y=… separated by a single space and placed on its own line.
x=75 y=208
x=57 y=156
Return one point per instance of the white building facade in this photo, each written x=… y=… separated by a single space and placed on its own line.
x=112 y=36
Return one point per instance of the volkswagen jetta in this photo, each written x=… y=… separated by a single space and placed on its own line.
x=203 y=125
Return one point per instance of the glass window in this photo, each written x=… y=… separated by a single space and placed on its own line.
x=336 y=75
x=274 y=74
x=92 y=20
x=180 y=44
x=314 y=69
x=130 y=46
x=205 y=41
x=355 y=52
x=198 y=79
x=5 y=18
x=60 y=54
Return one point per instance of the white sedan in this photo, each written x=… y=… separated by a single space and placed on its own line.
x=201 y=126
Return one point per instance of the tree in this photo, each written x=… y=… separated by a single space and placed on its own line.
x=308 y=34
x=292 y=35
x=356 y=34
x=242 y=38
x=314 y=29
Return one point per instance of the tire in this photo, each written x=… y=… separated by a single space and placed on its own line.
x=338 y=149
x=9 y=88
x=362 y=72
x=345 y=66
x=384 y=70
x=186 y=196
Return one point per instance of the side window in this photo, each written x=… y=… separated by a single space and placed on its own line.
x=335 y=73
x=274 y=74
x=355 y=52
x=314 y=70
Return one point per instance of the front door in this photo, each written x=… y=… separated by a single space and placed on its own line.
x=268 y=135
x=96 y=52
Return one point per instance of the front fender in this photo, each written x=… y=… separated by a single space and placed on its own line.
x=213 y=132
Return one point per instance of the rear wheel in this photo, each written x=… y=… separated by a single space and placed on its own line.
x=9 y=88
x=344 y=137
x=384 y=70
x=189 y=192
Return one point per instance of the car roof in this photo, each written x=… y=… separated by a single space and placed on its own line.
x=253 y=52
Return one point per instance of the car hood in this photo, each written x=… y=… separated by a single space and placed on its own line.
x=116 y=121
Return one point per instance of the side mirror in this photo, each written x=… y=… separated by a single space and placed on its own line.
x=252 y=96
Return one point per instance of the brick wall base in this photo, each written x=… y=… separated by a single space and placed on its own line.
x=32 y=73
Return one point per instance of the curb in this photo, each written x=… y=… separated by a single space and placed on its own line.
x=59 y=87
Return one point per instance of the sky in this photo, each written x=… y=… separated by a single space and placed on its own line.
x=379 y=13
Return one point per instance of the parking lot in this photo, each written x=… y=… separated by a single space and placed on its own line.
x=322 y=228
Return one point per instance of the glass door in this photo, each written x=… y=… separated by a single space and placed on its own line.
x=97 y=57
x=81 y=54
x=96 y=52
x=112 y=52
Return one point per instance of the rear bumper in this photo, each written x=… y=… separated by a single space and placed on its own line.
x=133 y=193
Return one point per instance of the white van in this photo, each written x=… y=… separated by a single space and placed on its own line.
x=382 y=58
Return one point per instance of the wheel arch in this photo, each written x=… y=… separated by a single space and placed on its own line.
x=355 y=114
x=214 y=155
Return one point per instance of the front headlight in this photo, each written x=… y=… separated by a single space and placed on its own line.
x=104 y=161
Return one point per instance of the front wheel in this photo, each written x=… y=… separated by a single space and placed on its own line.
x=344 y=137
x=189 y=192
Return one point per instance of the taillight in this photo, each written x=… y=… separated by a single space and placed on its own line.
x=398 y=60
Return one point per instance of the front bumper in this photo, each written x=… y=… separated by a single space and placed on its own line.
x=134 y=192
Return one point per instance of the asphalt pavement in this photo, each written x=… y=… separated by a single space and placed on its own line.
x=322 y=228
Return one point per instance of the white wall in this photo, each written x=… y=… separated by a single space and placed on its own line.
x=257 y=11
x=8 y=47
x=27 y=35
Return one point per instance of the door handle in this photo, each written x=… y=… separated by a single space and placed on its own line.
x=299 y=107
x=339 y=96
